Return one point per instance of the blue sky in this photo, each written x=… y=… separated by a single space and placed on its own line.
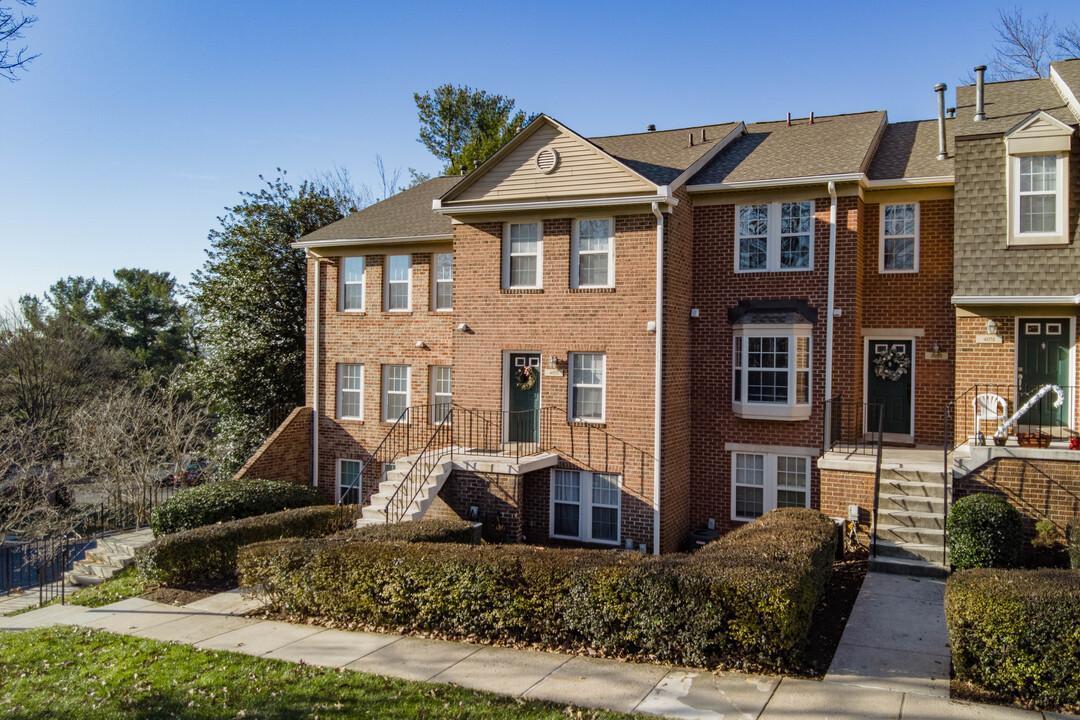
x=142 y=120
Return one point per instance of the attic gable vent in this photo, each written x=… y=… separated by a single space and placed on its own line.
x=547 y=160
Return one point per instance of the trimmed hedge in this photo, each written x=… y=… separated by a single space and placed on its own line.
x=1015 y=632
x=229 y=500
x=1072 y=537
x=984 y=531
x=745 y=600
x=209 y=552
x=432 y=531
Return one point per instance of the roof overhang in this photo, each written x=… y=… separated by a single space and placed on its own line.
x=664 y=197
x=1016 y=299
x=1065 y=91
x=909 y=182
x=313 y=244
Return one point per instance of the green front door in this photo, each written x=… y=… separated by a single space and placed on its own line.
x=890 y=387
x=1043 y=359
x=523 y=420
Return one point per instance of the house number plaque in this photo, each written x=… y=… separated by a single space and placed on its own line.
x=988 y=339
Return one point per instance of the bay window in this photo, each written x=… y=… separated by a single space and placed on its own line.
x=771 y=372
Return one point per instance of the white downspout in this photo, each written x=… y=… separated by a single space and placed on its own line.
x=315 y=382
x=658 y=372
x=832 y=291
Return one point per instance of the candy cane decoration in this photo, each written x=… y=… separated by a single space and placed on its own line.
x=1058 y=402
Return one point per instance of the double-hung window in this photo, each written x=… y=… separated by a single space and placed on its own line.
x=588 y=374
x=771 y=372
x=348 y=481
x=352 y=283
x=1037 y=152
x=395 y=393
x=440 y=392
x=1037 y=195
x=585 y=506
x=593 y=262
x=523 y=254
x=398 y=273
x=765 y=481
x=442 y=273
x=350 y=391
x=774 y=237
x=899 y=248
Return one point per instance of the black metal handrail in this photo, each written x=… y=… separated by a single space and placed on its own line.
x=439 y=446
x=395 y=444
x=503 y=433
x=877 y=474
x=848 y=426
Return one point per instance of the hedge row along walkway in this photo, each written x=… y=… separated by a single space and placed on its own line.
x=216 y=623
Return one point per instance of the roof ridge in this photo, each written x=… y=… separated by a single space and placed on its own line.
x=668 y=130
x=818 y=117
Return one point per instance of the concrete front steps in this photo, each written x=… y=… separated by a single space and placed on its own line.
x=106 y=557
x=910 y=529
x=375 y=512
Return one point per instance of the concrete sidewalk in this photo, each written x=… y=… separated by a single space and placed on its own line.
x=217 y=623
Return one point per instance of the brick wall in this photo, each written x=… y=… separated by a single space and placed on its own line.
x=917 y=300
x=286 y=454
x=556 y=321
x=840 y=489
x=1039 y=489
x=497 y=498
x=372 y=338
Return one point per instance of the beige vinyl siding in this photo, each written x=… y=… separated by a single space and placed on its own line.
x=582 y=170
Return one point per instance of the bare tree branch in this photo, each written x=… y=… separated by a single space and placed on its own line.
x=1068 y=41
x=1024 y=47
x=13 y=59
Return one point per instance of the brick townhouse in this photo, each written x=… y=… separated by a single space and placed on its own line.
x=612 y=341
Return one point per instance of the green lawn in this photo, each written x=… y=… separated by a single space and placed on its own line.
x=67 y=672
x=124 y=584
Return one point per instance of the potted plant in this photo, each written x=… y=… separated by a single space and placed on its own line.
x=1041 y=440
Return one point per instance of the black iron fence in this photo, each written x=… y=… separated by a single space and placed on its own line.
x=852 y=427
x=983 y=412
x=39 y=566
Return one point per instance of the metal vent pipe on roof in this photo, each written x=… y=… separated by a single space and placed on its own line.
x=940 y=89
x=789 y=119
x=980 y=84
x=811 y=117
x=691 y=137
x=651 y=128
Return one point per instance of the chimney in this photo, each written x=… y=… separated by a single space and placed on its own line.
x=980 y=84
x=811 y=117
x=651 y=128
x=940 y=89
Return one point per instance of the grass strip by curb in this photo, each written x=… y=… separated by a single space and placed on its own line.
x=66 y=672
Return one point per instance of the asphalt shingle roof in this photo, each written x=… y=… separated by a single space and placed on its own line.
x=1006 y=104
x=834 y=144
x=910 y=149
x=1069 y=71
x=663 y=155
x=407 y=214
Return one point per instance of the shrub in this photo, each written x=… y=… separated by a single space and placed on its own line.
x=209 y=552
x=433 y=531
x=1014 y=632
x=984 y=531
x=1072 y=536
x=745 y=599
x=229 y=500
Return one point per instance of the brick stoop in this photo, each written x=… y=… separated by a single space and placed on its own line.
x=106 y=557
x=910 y=530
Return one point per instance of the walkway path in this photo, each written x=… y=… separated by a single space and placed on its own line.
x=216 y=623
x=896 y=638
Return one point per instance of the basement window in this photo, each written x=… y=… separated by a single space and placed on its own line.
x=585 y=506
x=763 y=481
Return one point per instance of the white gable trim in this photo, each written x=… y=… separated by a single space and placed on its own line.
x=1065 y=91
x=1023 y=139
x=663 y=197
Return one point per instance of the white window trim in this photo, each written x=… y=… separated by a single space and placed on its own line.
x=362 y=284
x=434 y=396
x=1060 y=236
x=881 y=241
x=575 y=255
x=386 y=391
x=337 y=479
x=790 y=410
x=570 y=389
x=435 y=283
x=772 y=241
x=769 y=494
x=584 y=507
x=341 y=392
x=539 y=256
x=386 y=284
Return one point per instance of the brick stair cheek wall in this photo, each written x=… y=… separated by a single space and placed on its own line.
x=286 y=453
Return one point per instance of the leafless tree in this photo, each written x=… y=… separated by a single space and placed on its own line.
x=388 y=179
x=338 y=183
x=1027 y=44
x=29 y=486
x=132 y=441
x=48 y=370
x=12 y=27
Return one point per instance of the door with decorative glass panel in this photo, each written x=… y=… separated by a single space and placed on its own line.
x=523 y=421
